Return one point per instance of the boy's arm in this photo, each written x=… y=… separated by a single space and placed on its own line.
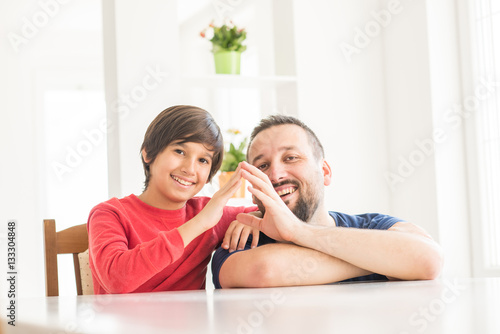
x=280 y=264
x=120 y=269
x=123 y=270
x=212 y=212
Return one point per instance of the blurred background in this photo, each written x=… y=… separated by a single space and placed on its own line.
x=404 y=95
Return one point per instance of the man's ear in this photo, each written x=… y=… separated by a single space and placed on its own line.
x=145 y=156
x=254 y=199
x=327 y=173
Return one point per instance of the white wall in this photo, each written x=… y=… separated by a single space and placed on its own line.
x=423 y=83
x=143 y=44
x=344 y=101
x=452 y=193
x=54 y=46
x=369 y=112
x=18 y=173
x=379 y=111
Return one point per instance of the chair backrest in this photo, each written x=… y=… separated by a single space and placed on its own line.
x=73 y=240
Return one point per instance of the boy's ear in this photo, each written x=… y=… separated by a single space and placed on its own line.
x=145 y=156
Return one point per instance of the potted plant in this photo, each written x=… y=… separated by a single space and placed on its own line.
x=232 y=157
x=226 y=46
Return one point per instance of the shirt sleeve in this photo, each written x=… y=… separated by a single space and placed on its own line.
x=373 y=221
x=221 y=255
x=122 y=270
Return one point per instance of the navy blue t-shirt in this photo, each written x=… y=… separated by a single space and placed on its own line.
x=373 y=221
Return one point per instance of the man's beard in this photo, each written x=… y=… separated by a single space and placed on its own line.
x=304 y=208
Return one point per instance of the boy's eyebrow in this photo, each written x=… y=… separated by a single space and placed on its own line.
x=183 y=145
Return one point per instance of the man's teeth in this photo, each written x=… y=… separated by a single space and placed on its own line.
x=186 y=183
x=286 y=191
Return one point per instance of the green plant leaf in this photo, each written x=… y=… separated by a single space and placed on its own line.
x=228 y=39
x=233 y=156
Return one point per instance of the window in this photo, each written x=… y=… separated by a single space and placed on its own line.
x=74 y=155
x=485 y=219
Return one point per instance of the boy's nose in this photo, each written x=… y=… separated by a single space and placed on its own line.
x=188 y=166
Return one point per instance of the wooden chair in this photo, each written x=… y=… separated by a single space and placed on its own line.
x=73 y=240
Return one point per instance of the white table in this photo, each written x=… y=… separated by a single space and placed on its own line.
x=441 y=306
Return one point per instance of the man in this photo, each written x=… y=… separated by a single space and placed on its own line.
x=288 y=173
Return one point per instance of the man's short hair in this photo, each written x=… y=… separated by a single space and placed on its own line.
x=275 y=120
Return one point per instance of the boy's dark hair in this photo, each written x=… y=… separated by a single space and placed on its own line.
x=275 y=120
x=185 y=124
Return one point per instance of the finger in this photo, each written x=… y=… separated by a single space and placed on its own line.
x=249 y=220
x=245 y=232
x=230 y=187
x=235 y=236
x=266 y=200
x=255 y=171
x=227 y=236
x=234 y=178
x=255 y=237
x=258 y=183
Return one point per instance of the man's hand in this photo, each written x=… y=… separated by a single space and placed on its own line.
x=278 y=222
x=237 y=235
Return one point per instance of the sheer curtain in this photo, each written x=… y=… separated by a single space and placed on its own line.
x=485 y=26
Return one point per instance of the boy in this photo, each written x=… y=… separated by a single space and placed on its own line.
x=163 y=239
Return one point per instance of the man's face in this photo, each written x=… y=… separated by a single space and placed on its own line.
x=285 y=155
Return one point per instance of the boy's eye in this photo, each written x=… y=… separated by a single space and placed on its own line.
x=179 y=151
x=204 y=161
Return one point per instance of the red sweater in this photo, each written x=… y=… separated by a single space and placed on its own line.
x=135 y=247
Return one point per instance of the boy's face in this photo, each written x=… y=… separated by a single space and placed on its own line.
x=285 y=155
x=178 y=173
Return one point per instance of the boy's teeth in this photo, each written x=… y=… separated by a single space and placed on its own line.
x=286 y=191
x=182 y=181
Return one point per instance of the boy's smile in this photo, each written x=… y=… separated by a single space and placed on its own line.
x=178 y=173
x=182 y=181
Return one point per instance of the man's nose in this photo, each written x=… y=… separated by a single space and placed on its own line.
x=276 y=173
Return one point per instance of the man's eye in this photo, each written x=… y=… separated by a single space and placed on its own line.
x=262 y=167
x=290 y=158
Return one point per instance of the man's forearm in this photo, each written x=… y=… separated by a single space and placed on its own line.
x=284 y=265
x=396 y=254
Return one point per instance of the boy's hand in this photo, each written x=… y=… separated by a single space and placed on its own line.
x=237 y=235
x=212 y=212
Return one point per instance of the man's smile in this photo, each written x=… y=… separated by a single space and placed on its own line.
x=285 y=189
